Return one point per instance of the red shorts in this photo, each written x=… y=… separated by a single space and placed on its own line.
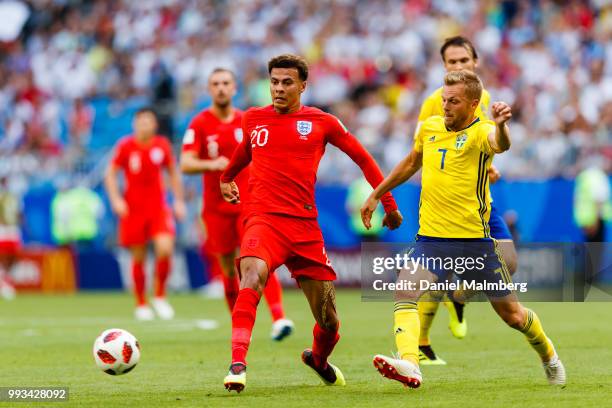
x=295 y=242
x=224 y=232
x=10 y=247
x=138 y=228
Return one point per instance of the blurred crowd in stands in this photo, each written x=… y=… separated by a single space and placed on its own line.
x=372 y=63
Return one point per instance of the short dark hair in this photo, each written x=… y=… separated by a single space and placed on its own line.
x=290 y=61
x=146 y=109
x=221 y=69
x=458 y=41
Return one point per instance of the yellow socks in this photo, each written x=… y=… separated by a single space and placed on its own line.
x=427 y=312
x=406 y=329
x=535 y=335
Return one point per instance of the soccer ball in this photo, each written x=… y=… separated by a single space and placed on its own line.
x=116 y=351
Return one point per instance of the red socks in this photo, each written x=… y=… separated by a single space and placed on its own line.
x=243 y=319
x=273 y=293
x=323 y=344
x=231 y=287
x=138 y=278
x=162 y=271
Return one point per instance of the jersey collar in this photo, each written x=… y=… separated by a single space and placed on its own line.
x=467 y=127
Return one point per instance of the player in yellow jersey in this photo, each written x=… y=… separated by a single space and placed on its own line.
x=455 y=152
x=459 y=53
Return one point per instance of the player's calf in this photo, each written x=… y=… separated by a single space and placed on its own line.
x=511 y=312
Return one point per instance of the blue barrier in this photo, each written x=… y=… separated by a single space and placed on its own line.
x=196 y=268
x=544 y=210
x=98 y=269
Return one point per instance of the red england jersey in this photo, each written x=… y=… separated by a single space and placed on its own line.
x=285 y=150
x=142 y=165
x=211 y=138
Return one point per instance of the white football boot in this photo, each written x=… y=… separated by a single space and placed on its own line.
x=555 y=371
x=403 y=371
x=144 y=313
x=235 y=380
x=163 y=309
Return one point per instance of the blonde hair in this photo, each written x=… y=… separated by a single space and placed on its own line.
x=471 y=82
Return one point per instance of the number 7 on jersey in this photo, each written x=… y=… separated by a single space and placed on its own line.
x=443 y=151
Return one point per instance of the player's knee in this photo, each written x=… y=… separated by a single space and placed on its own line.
x=163 y=249
x=407 y=295
x=138 y=254
x=509 y=255
x=511 y=262
x=164 y=253
x=252 y=277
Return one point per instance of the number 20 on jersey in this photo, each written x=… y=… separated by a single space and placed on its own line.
x=259 y=137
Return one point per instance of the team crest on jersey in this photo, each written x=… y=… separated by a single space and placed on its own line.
x=238 y=134
x=189 y=137
x=134 y=163
x=460 y=141
x=304 y=127
x=156 y=155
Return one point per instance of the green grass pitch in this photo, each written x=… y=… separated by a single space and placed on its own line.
x=47 y=341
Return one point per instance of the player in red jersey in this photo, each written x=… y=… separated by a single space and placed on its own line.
x=143 y=211
x=10 y=237
x=284 y=143
x=209 y=142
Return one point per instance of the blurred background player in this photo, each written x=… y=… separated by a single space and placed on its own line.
x=592 y=208
x=10 y=237
x=358 y=191
x=457 y=146
x=209 y=142
x=284 y=143
x=458 y=53
x=144 y=215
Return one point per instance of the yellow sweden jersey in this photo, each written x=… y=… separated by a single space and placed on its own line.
x=455 y=200
x=433 y=106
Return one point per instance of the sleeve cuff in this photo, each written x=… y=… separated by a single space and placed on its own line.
x=388 y=203
x=226 y=178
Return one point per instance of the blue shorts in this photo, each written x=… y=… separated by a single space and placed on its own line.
x=497 y=225
x=475 y=260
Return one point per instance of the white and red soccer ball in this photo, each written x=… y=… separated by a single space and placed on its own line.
x=116 y=351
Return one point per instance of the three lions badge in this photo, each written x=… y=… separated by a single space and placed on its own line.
x=304 y=127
